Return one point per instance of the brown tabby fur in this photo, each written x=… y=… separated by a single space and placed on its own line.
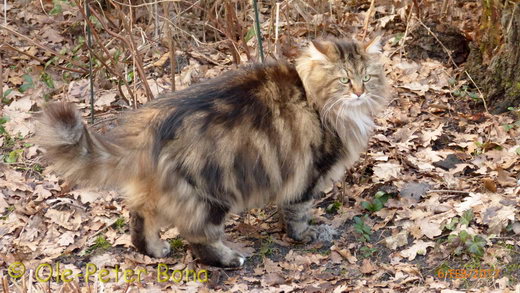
x=264 y=133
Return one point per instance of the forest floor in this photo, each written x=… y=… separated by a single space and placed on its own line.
x=433 y=205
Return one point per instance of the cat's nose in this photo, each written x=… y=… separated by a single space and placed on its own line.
x=358 y=90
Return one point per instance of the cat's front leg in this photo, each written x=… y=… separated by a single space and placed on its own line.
x=296 y=217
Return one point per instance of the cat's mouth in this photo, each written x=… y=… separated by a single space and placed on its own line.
x=356 y=97
x=356 y=100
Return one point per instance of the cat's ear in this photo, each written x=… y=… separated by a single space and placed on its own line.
x=323 y=50
x=374 y=46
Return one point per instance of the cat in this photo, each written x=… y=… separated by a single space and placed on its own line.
x=272 y=132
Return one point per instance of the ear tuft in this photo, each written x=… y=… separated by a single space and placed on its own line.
x=323 y=50
x=374 y=47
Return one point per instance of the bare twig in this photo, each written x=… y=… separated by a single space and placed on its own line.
x=5 y=12
x=90 y=76
x=197 y=42
x=231 y=32
x=417 y=8
x=512 y=18
x=5 y=284
x=171 y=47
x=1 y=76
x=277 y=27
x=119 y=37
x=403 y=39
x=131 y=44
x=258 y=31
x=43 y=8
x=115 y=70
x=144 y=4
x=448 y=191
x=367 y=19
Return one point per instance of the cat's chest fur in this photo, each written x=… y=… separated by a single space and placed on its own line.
x=354 y=140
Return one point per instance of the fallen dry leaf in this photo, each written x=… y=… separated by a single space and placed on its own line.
x=397 y=240
x=387 y=171
x=419 y=247
x=367 y=267
x=489 y=184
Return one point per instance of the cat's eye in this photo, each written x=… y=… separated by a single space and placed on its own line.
x=344 y=80
x=366 y=78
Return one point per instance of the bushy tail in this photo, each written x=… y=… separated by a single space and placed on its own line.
x=76 y=153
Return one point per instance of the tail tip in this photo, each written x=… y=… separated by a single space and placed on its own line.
x=63 y=120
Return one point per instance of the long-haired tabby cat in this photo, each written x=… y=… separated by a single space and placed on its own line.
x=263 y=133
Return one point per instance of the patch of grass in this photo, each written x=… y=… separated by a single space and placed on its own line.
x=37 y=168
x=119 y=224
x=333 y=207
x=13 y=156
x=101 y=243
x=442 y=269
x=266 y=248
x=5 y=99
x=3 y=120
x=177 y=245
x=56 y=9
x=8 y=211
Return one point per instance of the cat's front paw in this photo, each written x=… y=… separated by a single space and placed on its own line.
x=312 y=233
x=302 y=233
x=219 y=255
x=160 y=249
x=233 y=261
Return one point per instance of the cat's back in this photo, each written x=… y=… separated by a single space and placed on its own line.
x=247 y=101
x=249 y=130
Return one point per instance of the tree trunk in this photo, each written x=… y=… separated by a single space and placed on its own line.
x=494 y=61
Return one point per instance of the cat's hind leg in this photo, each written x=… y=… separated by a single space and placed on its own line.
x=142 y=198
x=204 y=229
x=145 y=235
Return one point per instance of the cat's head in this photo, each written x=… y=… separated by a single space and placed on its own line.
x=343 y=75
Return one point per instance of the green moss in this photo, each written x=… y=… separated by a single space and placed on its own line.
x=176 y=244
x=100 y=243
x=119 y=223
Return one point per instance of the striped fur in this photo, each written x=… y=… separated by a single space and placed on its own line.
x=264 y=133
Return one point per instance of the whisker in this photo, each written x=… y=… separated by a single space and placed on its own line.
x=333 y=104
x=328 y=111
x=340 y=113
